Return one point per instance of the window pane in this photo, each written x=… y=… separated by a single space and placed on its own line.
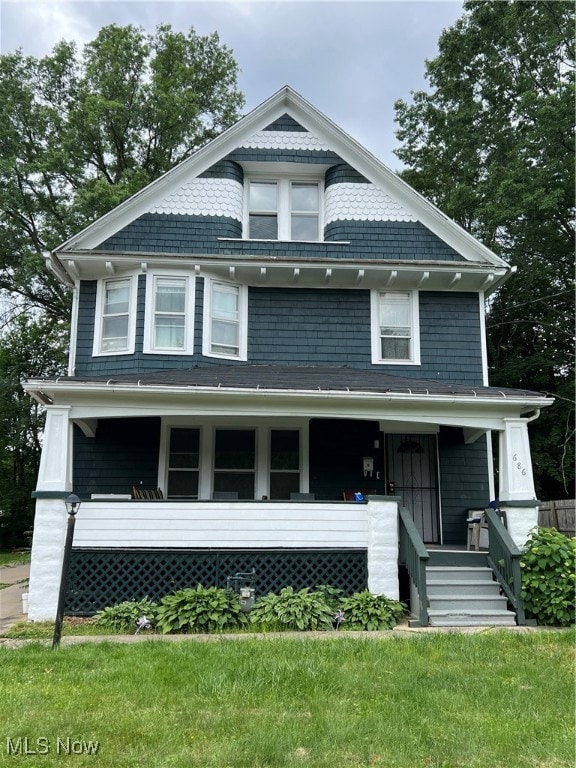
x=241 y=482
x=283 y=484
x=304 y=227
x=263 y=196
x=395 y=349
x=304 y=197
x=184 y=448
x=395 y=310
x=235 y=449
x=116 y=298
x=285 y=449
x=169 y=332
x=263 y=227
x=170 y=296
x=183 y=484
x=115 y=333
x=225 y=302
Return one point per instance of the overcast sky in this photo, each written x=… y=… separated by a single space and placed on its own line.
x=352 y=60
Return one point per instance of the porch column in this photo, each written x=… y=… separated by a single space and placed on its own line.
x=517 y=493
x=383 y=547
x=54 y=485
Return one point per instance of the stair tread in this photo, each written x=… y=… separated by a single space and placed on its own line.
x=469 y=612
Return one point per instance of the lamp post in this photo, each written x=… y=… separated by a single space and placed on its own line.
x=72 y=506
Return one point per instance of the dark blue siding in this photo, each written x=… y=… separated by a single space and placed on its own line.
x=308 y=156
x=165 y=233
x=299 y=326
x=123 y=453
x=225 y=169
x=343 y=172
x=285 y=123
x=463 y=481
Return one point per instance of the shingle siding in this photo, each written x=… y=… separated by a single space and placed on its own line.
x=300 y=326
x=463 y=481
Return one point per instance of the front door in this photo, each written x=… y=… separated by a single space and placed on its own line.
x=411 y=465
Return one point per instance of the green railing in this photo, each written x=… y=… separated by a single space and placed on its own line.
x=504 y=559
x=414 y=555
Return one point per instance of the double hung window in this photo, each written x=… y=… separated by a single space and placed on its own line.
x=225 y=320
x=183 y=463
x=284 y=463
x=235 y=462
x=169 y=316
x=395 y=331
x=114 y=329
x=284 y=209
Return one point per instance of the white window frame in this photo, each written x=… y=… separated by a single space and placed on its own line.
x=209 y=284
x=152 y=279
x=284 y=210
x=414 y=357
x=132 y=281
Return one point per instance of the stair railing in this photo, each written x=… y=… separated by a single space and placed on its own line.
x=504 y=560
x=414 y=555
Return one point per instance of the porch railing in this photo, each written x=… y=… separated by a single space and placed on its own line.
x=414 y=555
x=504 y=559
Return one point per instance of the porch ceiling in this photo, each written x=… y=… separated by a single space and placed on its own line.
x=268 y=390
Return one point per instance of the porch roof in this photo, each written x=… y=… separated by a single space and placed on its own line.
x=283 y=378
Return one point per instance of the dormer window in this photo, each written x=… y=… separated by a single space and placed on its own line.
x=283 y=209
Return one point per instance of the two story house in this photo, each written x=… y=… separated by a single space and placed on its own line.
x=275 y=330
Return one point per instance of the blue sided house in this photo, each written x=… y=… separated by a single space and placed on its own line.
x=277 y=364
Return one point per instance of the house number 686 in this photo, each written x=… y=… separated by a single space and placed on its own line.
x=518 y=464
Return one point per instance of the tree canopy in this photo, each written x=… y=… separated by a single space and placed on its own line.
x=82 y=131
x=492 y=144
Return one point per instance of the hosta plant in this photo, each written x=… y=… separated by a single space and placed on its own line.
x=124 y=616
x=200 y=609
x=290 y=610
x=363 y=610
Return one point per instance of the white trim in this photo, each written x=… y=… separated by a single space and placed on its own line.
x=483 y=344
x=284 y=101
x=377 y=359
x=152 y=278
x=98 y=317
x=73 y=329
x=209 y=282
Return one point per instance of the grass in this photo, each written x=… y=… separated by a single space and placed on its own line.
x=9 y=557
x=497 y=699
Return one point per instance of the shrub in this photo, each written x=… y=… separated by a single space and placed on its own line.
x=548 y=579
x=292 y=610
x=367 y=611
x=203 y=609
x=124 y=616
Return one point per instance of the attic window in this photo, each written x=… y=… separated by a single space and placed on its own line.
x=283 y=209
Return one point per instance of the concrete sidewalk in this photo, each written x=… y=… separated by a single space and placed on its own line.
x=11 y=597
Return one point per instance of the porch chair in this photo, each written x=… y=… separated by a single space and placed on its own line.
x=476 y=524
x=146 y=494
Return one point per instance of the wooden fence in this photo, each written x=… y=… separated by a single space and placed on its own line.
x=560 y=515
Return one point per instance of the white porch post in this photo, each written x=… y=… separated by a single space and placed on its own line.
x=54 y=485
x=383 y=547
x=517 y=493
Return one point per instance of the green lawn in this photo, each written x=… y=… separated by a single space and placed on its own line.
x=490 y=700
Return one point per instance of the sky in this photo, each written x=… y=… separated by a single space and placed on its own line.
x=351 y=59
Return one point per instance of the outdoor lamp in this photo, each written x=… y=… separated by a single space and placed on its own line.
x=72 y=503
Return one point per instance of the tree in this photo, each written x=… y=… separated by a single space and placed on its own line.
x=492 y=144
x=81 y=133
x=36 y=348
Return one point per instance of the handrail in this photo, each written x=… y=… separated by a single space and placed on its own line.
x=504 y=559
x=414 y=555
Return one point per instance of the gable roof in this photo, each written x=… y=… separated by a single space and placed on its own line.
x=286 y=102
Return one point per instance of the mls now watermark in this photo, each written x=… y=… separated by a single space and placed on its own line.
x=22 y=745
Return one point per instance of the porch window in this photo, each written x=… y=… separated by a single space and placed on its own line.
x=169 y=314
x=183 y=463
x=284 y=463
x=395 y=332
x=114 y=329
x=225 y=320
x=235 y=462
x=284 y=209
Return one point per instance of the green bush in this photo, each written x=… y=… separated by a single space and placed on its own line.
x=367 y=611
x=548 y=578
x=203 y=609
x=292 y=611
x=124 y=616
